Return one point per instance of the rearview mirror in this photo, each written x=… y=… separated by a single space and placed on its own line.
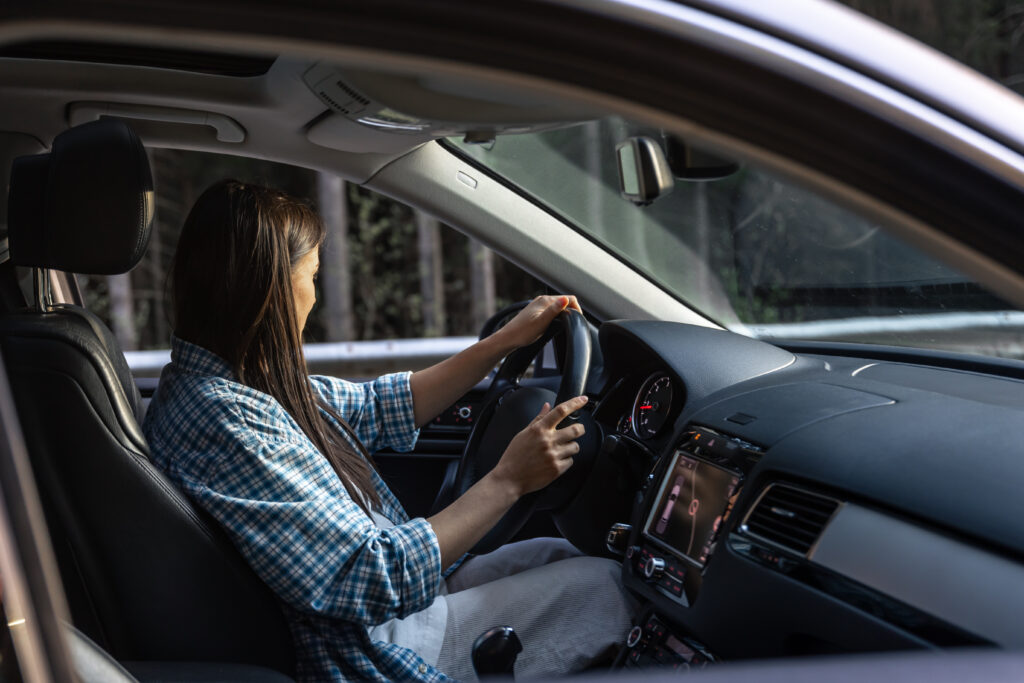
x=690 y=163
x=644 y=173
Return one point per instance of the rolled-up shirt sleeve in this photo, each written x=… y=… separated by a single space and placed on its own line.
x=316 y=548
x=380 y=412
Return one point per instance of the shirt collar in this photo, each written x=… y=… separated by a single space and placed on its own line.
x=188 y=357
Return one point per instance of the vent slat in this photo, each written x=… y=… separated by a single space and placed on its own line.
x=796 y=535
x=783 y=527
x=790 y=517
x=800 y=511
x=823 y=507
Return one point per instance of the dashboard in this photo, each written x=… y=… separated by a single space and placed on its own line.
x=815 y=500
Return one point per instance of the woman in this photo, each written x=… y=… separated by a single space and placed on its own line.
x=281 y=460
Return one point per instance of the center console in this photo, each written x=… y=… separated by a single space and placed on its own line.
x=654 y=643
x=686 y=507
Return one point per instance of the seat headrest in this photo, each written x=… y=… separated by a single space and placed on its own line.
x=86 y=206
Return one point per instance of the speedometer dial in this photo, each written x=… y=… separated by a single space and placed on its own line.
x=652 y=405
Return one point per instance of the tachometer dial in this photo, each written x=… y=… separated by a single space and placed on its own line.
x=653 y=402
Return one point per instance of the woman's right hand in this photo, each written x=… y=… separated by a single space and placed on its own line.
x=535 y=457
x=541 y=452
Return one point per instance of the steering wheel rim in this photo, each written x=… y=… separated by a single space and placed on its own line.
x=508 y=408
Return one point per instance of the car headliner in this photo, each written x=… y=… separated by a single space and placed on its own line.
x=915 y=168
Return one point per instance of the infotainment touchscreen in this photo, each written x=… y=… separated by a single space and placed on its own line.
x=693 y=500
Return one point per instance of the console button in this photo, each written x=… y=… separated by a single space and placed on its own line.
x=654 y=567
x=634 y=636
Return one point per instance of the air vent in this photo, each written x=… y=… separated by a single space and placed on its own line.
x=789 y=517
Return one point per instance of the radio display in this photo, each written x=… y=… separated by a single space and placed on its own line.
x=694 y=499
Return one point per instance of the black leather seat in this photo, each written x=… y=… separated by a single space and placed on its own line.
x=147 y=575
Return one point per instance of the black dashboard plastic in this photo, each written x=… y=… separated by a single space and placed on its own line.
x=935 y=447
x=704 y=359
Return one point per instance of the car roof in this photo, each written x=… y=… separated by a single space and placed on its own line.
x=841 y=34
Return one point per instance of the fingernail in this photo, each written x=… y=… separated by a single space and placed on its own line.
x=584 y=399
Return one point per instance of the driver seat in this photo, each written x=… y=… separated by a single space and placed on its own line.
x=149 y=577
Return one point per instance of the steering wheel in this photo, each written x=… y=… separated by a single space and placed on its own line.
x=508 y=409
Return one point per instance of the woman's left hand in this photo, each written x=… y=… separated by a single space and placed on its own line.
x=530 y=323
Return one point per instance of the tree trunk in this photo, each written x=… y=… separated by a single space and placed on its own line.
x=481 y=283
x=336 y=280
x=428 y=232
x=122 y=310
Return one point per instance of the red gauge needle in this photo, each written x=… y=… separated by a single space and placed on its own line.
x=646 y=407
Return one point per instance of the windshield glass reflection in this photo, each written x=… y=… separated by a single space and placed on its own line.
x=755 y=252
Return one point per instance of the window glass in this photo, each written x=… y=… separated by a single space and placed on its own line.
x=751 y=250
x=406 y=276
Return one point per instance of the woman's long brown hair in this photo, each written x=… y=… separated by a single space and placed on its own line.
x=232 y=294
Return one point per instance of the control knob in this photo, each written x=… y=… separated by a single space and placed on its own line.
x=634 y=636
x=654 y=568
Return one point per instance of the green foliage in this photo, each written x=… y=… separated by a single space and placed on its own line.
x=382 y=248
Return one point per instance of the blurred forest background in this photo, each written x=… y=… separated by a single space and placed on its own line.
x=390 y=272
x=386 y=270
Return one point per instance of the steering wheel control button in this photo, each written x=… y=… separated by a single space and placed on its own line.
x=654 y=567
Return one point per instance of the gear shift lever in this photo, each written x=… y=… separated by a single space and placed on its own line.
x=495 y=651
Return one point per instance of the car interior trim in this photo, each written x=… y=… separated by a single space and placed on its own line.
x=932 y=572
x=32 y=592
x=931 y=631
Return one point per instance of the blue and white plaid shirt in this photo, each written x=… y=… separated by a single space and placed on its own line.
x=237 y=453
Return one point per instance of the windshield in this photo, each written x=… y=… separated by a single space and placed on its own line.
x=752 y=251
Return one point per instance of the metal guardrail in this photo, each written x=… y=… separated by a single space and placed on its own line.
x=996 y=333
x=906 y=324
x=989 y=333
x=351 y=360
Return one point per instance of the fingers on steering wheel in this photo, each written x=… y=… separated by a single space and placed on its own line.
x=570 y=433
x=567 y=450
x=563 y=410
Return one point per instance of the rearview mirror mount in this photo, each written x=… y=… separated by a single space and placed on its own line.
x=691 y=163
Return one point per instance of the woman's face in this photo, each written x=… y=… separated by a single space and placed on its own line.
x=303 y=278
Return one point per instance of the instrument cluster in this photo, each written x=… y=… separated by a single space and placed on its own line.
x=652 y=406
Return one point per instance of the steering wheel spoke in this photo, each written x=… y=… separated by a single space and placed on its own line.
x=509 y=407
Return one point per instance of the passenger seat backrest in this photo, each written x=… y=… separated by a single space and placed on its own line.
x=148 y=575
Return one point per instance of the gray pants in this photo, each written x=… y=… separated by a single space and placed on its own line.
x=568 y=610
